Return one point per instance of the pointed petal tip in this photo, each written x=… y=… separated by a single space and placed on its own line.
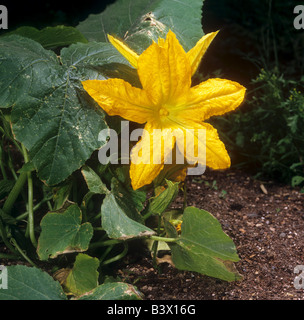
x=196 y=54
x=124 y=50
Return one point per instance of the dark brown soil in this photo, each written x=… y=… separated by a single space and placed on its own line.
x=265 y=221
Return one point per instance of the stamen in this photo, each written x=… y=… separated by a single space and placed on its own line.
x=163 y=112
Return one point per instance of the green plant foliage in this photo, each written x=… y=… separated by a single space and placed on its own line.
x=267 y=133
x=84 y=275
x=52 y=115
x=120 y=216
x=203 y=246
x=23 y=63
x=93 y=181
x=51 y=37
x=30 y=283
x=62 y=232
x=139 y=22
x=162 y=201
x=5 y=187
x=113 y=291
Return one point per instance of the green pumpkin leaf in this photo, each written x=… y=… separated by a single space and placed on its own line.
x=203 y=246
x=28 y=283
x=26 y=68
x=84 y=275
x=93 y=60
x=138 y=22
x=62 y=232
x=113 y=291
x=120 y=214
x=51 y=37
x=52 y=115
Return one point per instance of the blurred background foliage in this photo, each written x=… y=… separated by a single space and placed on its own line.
x=259 y=47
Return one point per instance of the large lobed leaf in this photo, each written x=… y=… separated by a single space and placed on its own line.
x=52 y=115
x=203 y=246
x=138 y=22
x=62 y=232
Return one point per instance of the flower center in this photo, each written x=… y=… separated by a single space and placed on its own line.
x=163 y=112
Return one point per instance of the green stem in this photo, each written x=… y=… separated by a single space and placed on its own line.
x=8 y=205
x=99 y=229
x=49 y=205
x=10 y=165
x=5 y=239
x=147 y=215
x=154 y=250
x=3 y=170
x=156 y=238
x=119 y=256
x=22 y=253
x=185 y=196
x=30 y=210
x=155 y=244
x=30 y=201
x=37 y=206
x=2 y=165
x=97 y=216
x=106 y=252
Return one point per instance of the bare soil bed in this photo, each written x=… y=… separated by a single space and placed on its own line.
x=265 y=221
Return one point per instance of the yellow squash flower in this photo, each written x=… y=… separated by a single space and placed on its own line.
x=168 y=102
